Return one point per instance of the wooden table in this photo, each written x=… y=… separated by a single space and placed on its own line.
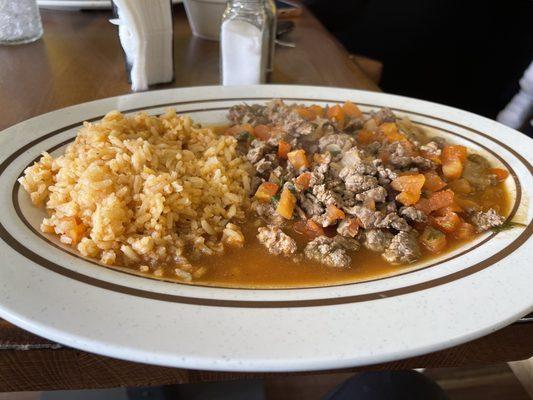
x=80 y=59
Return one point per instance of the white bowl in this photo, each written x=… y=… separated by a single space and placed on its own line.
x=205 y=17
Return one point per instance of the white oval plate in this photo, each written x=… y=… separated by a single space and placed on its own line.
x=471 y=292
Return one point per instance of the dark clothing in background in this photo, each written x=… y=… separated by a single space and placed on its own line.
x=469 y=54
x=385 y=385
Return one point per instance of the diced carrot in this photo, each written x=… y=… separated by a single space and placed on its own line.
x=283 y=149
x=410 y=187
x=351 y=110
x=319 y=111
x=265 y=191
x=501 y=174
x=443 y=198
x=461 y=186
x=336 y=113
x=465 y=231
x=452 y=169
x=454 y=152
x=303 y=180
x=365 y=137
x=236 y=129
x=454 y=208
x=391 y=133
x=433 y=239
x=308 y=228
x=298 y=159
x=262 y=132
x=286 y=204
x=433 y=182
x=333 y=213
x=453 y=158
x=448 y=223
x=306 y=113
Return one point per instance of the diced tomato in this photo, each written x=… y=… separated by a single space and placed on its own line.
x=465 y=231
x=333 y=213
x=433 y=239
x=236 y=129
x=365 y=137
x=433 y=182
x=410 y=187
x=283 y=149
x=443 y=198
x=262 y=132
x=337 y=113
x=286 y=204
x=298 y=159
x=448 y=223
x=265 y=191
x=391 y=133
x=461 y=186
x=309 y=228
x=303 y=180
x=501 y=174
x=351 y=110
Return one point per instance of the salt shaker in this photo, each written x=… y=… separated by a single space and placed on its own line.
x=244 y=42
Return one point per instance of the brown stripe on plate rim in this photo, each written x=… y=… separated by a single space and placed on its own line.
x=272 y=304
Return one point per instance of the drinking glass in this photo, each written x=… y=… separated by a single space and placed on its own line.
x=20 y=21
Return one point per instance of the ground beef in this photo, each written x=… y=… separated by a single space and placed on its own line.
x=276 y=242
x=357 y=182
x=268 y=213
x=422 y=163
x=332 y=252
x=484 y=220
x=377 y=194
x=257 y=151
x=400 y=156
x=476 y=172
x=264 y=166
x=325 y=196
x=311 y=205
x=376 y=219
x=335 y=143
x=403 y=249
x=413 y=214
x=385 y=175
x=432 y=149
x=248 y=114
x=383 y=115
x=344 y=228
x=376 y=239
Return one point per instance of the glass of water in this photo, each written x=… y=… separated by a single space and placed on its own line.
x=20 y=21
